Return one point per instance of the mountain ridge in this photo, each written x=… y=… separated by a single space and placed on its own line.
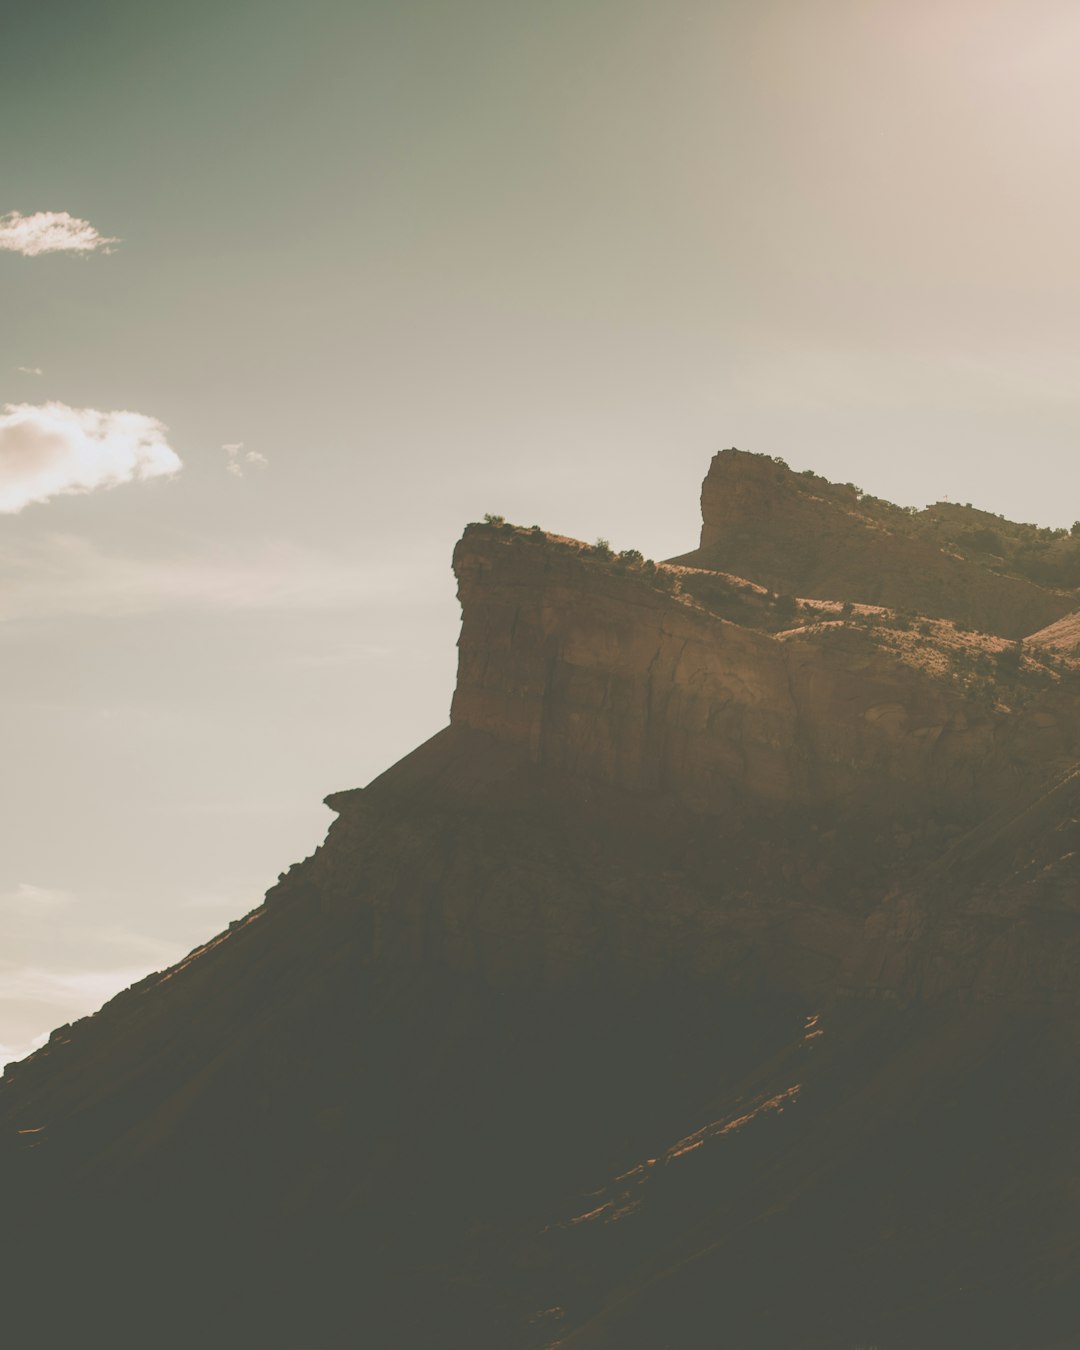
x=595 y=1010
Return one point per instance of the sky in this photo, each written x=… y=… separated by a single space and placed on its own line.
x=290 y=293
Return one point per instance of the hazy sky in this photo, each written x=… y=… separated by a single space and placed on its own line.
x=367 y=270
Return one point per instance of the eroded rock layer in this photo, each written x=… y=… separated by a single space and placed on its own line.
x=596 y=671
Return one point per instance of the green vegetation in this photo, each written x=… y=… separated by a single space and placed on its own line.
x=739 y=604
x=1038 y=553
x=1010 y=660
x=628 y=560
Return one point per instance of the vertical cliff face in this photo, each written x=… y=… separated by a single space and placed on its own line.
x=607 y=673
x=598 y=673
x=800 y=534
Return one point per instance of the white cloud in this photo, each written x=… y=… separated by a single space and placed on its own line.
x=29 y=370
x=238 y=457
x=49 y=449
x=50 y=232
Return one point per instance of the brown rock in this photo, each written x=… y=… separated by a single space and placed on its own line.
x=803 y=535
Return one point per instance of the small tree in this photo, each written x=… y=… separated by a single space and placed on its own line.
x=1010 y=659
x=490 y=519
x=603 y=548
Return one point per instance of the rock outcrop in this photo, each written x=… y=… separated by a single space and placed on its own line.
x=608 y=673
x=801 y=534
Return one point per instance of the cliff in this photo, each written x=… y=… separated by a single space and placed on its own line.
x=799 y=533
x=592 y=1020
x=607 y=673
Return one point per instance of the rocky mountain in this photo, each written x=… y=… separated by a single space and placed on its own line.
x=708 y=981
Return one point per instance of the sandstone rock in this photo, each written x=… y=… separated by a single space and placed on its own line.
x=802 y=535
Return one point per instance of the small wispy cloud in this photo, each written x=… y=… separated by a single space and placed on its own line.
x=238 y=457
x=222 y=900
x=29 y=370
x=76 y=991
x=50 y=449
x=28 y=899
x=51 y=575
x=50 y=232
x=9 y=1054
x=86 y=964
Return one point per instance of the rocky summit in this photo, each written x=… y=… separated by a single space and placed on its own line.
x=710 y=981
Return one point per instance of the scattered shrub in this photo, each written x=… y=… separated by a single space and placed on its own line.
x=490 y=519
x=986 y=540
x=1009 y=660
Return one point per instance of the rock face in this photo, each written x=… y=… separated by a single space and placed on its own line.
x=800 y=534
x=593 y=1019
x=595 y=671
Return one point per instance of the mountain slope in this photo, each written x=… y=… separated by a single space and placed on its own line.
x=709 y=980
